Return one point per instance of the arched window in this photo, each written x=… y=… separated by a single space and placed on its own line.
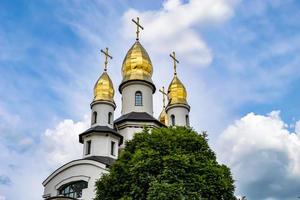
x=109 y=118
x=74 y=189
x=173 y=120
x=94 y=118
x=138 y=98
x=187 y=120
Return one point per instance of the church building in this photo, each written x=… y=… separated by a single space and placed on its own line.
x=106 y=135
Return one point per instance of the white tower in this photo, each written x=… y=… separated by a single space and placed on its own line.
x=102 y=139
x=137 y=91
x=177 y=108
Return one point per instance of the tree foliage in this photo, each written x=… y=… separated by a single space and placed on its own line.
x=167 y=164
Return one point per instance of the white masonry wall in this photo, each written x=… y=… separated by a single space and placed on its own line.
x=128 y=98
x=86 y=170
x=101 y=145
x=180 y=114
x=128 y=129
x=102 y=110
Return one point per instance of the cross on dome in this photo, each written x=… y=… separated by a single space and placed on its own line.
x=173 y=56
x=106 y=56
x=138 y=26
x=164 y=94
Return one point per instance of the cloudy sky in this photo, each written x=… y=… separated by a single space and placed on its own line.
x=239 y=60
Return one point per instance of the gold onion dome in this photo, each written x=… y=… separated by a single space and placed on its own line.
x=137 y=64
x=104 y=89
x=163 y=117
x=176 y=92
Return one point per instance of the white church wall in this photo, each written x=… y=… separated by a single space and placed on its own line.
x=86 y=170
x=102 y=110
x=128 y=129
x=101 y=145
x=128 y=98
x=180 y=115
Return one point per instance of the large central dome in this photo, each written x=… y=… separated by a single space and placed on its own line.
x=137 y=64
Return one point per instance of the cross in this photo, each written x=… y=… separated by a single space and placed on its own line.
x=173 y=56
x=164 y=94
x=106 y=56
x=138 y=26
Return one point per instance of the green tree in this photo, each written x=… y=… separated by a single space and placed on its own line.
x=167 y=164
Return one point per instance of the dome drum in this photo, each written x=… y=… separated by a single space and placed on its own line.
x=184 y=105
x=111 y=103
x=137 y=81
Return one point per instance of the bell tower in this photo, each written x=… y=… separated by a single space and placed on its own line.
x=102 y=139
x=177 y=109
x=137 y=90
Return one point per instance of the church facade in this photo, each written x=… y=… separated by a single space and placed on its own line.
x=106 y=135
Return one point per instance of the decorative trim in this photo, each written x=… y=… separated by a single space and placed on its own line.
x=100 y=130
x=72 y=164
x=111 y=103
x=137 y=81
x=178 y=105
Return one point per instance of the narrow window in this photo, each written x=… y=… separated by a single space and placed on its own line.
x=138 y=98
x=94 y=118
x=88 y=147
x=109 y=118
x=173 y=120
x=187 y=120
x=112 y=148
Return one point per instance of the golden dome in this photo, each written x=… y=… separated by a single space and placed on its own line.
x=137 y=64
x=163 y=117
x=177 y=92
x=104 y=89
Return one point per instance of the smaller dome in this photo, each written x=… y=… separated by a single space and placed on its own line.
x=177 y=92
x=104 y=89
x=163 y=117
x=137 y=64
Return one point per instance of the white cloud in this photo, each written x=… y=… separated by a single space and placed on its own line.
x=61 y=144
x=27 y=170
x=2 y=197
x=297 y=127
x=264 y=156
x=173 y=27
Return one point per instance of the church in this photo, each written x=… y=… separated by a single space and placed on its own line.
x=107 y=136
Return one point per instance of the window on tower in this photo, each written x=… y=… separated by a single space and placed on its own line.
x=187 y=120
x=88 y=147
x=112 y=148
x=109 y=118
x=73 y=189
x=94 y=118
x=173 y=120
x=138 y=98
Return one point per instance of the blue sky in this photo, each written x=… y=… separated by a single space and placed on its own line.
x=238 y=59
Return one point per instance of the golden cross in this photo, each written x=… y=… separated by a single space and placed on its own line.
x=164 y=94
x=106 y=56
x=173 y=56
x=138 y=26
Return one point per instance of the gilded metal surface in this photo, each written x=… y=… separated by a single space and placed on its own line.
x=176 y=92
x=137 y=64
x=104 y=89
x=163 y=117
